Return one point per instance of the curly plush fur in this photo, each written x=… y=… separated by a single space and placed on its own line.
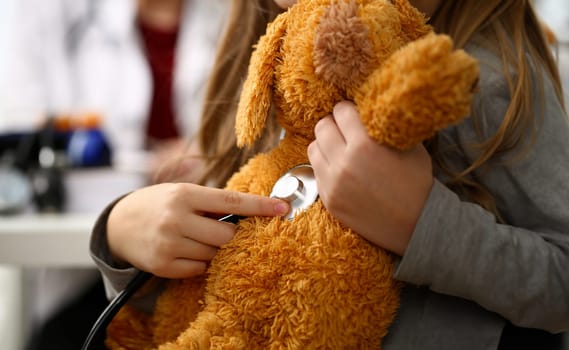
x=309 y=282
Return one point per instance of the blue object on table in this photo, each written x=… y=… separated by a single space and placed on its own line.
x=88 y=147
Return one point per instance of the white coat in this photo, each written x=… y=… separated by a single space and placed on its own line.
x=75 y=56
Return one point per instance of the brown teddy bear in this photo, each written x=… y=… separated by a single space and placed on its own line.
x=310 y=282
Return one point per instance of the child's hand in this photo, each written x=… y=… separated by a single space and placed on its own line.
x=377 y=191
x=163 y=229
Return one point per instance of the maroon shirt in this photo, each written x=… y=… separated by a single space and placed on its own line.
x=160 y=49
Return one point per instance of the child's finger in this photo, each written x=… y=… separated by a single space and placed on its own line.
x=231 y=202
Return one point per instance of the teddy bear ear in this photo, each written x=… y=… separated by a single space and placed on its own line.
x=255 y=101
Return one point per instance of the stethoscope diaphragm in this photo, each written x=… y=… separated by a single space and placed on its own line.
x=298 y=187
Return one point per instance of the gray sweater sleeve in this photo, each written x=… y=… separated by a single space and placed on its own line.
x=115 y=276
x=519 y=270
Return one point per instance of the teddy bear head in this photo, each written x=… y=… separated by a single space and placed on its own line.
x=316 y=54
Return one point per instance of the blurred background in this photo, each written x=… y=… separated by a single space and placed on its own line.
x=97 y=98
x=555 y=13
x=93 y=93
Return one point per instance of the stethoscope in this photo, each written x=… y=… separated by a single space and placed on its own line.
x=297 y=186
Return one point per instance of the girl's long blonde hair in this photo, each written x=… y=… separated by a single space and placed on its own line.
x=511 y=25
x=512 y=30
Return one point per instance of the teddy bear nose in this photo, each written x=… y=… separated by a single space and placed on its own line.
x=288 y=188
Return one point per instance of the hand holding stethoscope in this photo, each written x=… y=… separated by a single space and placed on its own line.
x=187 y=245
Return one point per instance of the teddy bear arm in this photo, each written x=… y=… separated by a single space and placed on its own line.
x=420 y=89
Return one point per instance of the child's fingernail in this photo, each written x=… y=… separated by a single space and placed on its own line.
x=281 y=208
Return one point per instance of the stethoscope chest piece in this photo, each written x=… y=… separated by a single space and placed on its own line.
x=298 y=187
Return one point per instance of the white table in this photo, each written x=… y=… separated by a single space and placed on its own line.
x=36 y=241
x=46 y=240
x=62 y=240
